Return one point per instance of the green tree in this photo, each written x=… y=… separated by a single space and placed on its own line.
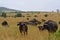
x=18 y=14
x=3 y=14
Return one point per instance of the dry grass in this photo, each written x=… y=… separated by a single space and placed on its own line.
x=12 y=32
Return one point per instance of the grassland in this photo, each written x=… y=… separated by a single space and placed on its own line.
x=12 y=32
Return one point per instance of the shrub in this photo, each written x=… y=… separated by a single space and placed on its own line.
x=43 y=20
x=15 y=11
x=57 y=34
x=3 y=14
x=27 y=13
x=23 y=16
x=35 y=15
x=18 y=14
x=27 y=18
x=46 y=15
x=59 y=22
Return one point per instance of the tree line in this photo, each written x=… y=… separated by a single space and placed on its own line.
x=5 y=15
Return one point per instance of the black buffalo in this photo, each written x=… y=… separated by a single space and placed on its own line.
x=23 y=27
x=50 y=25
x=34 y=22
x=5 y=23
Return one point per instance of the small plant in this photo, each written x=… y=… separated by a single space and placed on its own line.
x=15 y=11
x=57 y=34
x=3 y=14
x=59 y=22
x=18 y=14
x=27 y=14
x=35 y=15
x=23 y=16
x=43 y=20
x=46 y=15
x=27 y=18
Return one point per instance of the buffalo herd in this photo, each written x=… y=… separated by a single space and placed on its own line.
x=49 y=25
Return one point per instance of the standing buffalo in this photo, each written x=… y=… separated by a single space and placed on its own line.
x=23 y=27
x=50 y=25
x=5 y=23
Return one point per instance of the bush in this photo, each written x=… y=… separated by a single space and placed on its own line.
x=57 y=34
x=46 y=15
x=43 y=20
x=59 y=22
x=18 y=14
x=3 y=14
x=27 y=18
x=23 y=16
x=27 y=13
x=35 y=15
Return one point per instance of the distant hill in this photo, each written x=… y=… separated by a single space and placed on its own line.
x=4 y=9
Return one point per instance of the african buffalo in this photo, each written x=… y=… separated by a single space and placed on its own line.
x=23 y=27
x=5 y=23
x=34 y=22
x=51 y=26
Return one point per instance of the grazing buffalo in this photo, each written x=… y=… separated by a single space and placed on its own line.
x=34 y=22
x=5 y=23
x=23 y=27
x=51 y=26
